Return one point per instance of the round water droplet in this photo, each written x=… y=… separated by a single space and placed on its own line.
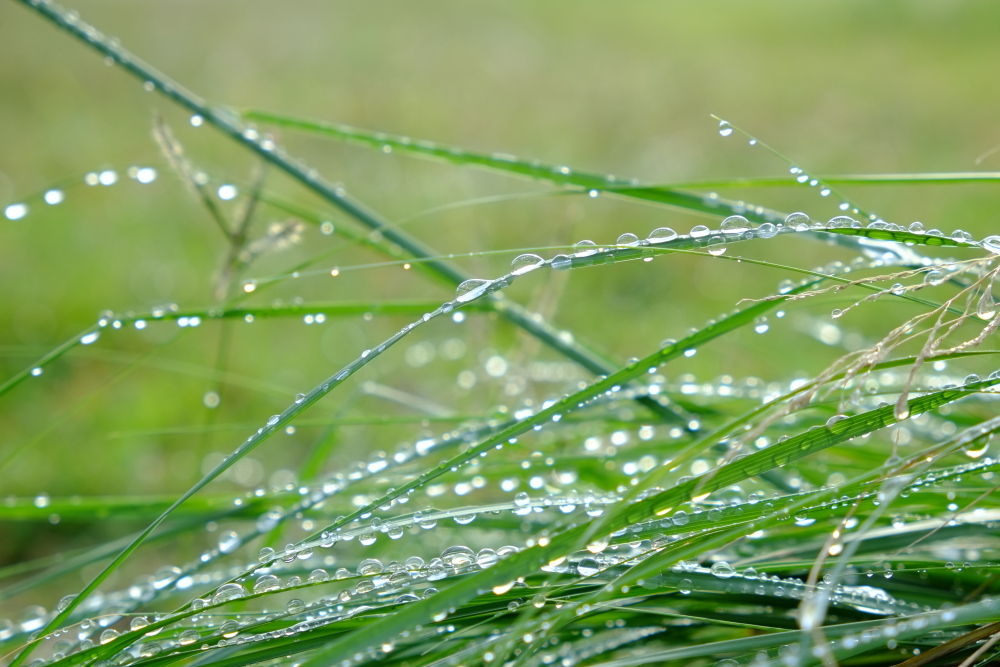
x=716 y=246
x=684 y=586
x=800 y=222
x=188 y=637
x=295 y=606
x=227 y=592
x=842 y=222
x=265 y=583
x=735 y=224
x=267 y=553
x=898 y=289
x=522 y=499
x=680 y=518
x=369 y=566
x=917 y=227
x=700 y=231
x=934 y=277
x=723 y=570
x=53 y=197
x=767 y=230
x=627 y=239
x=584 y=248
x=664 y=234
x=725 y=129
x=108 y=635
x=524 y=263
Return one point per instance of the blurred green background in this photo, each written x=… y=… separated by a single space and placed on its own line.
x=624 y=88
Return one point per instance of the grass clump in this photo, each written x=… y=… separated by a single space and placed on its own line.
x=581 y=511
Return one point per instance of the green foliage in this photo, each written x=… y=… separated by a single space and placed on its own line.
x=576 y=510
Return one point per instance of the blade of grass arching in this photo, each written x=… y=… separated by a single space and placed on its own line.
x=266 y=149
x=528 y=560
x=511 y=165
x=115 y=508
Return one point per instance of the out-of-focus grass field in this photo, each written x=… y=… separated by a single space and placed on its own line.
x=624 y=88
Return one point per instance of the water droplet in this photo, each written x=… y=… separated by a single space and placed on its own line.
x=725 y=129
x=188 y=637
x=664 y=234
x=723 y=570
x=588 y=567
x=627 y=239
x=834 y=420
x=227 y=592
x=584 y=248
x=898 y=289
x=934 y=277
x=716 y=246
x=750 y=573
x=36 y=371
x=800 y=222
x=917 y=227
x=700 y=231
x=265 y=583
x=227 y=192
x=145 y=175
x=367 y=539
x=987 y=306
x=369 y=566
x=735 y=224
x=90 y=338
x=318 y=575
x=522 y=499
x=760 y=325
x=138 y=623
x=992 y=244
x=680 y=518
x=684 y=586
x=524 y=263
x=472 y=289
x=295 y=606
x=53 y=197
x=229 y=629
x=16 y=211
x=767 y=230
x=108 y=635
x=229 y=541
x=267 y=553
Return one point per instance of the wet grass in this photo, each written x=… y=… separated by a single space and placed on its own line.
x=475 y=482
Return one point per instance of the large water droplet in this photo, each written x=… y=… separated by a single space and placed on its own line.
x=370 y=566
x=524 y=263
x=265 y=583
x=472 y=289
x=664 y=234
x=716 y=245
x=588 y=567
x=722 y=569
x=522 y=499
x=700 y=231
x=767 y=230
x=725 y=129
x=987 y=306
x=584 y=248
x=992 y=244
x=627 y=239
x=227 y=592
x=800 y=222
x=735 y=224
